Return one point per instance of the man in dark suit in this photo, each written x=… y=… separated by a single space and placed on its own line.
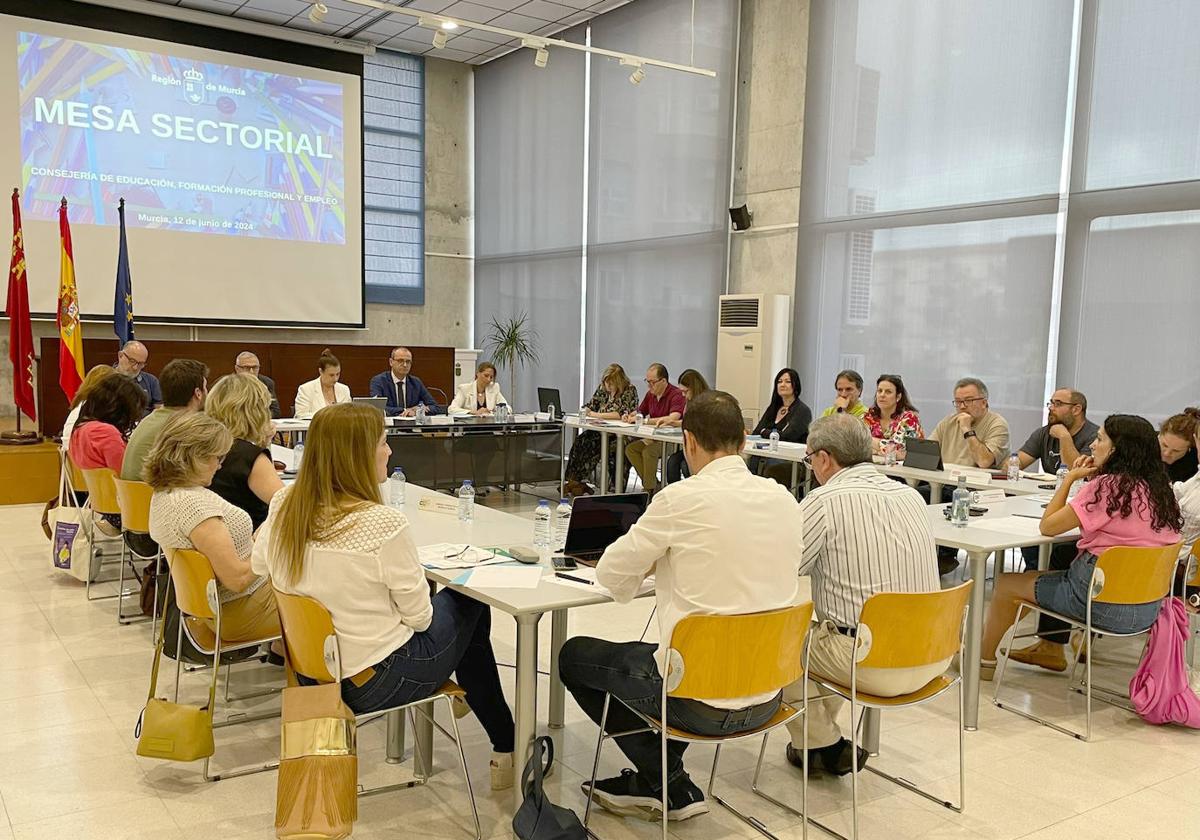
x=247 y=362
x=404 y=391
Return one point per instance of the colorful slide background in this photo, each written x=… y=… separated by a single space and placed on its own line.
x=186 y=186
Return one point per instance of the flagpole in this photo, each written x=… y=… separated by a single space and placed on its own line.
x=19 y=437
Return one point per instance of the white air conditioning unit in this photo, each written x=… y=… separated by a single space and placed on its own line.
x=752 y=345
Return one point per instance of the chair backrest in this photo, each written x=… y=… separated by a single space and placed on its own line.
x=1194 y=563
x=133 y=497
x=716 y=656
x=102 y=489
x=912 y=629
x=307 y=630
x=74 y=474
x=193 y=577
x=1129 y=574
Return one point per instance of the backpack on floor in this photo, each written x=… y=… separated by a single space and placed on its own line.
x=1159 y=689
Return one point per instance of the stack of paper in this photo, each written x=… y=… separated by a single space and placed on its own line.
x=502 y=577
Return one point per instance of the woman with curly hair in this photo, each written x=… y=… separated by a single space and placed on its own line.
x=1128 y=501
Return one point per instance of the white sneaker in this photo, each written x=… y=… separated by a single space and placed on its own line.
x=502 y=771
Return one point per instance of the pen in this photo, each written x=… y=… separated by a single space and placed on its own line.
x=1028 y=515
x=572 y=577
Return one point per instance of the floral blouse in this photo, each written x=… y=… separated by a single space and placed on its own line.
x=604 y=403
x=904 y=424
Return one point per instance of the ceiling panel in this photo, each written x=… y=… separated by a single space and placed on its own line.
x=347 y=19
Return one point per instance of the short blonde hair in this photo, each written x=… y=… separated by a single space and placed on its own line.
x=615 y=375
x=243 y=404
x=188 y=439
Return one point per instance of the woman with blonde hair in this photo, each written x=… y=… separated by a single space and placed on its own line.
x=330 y=537
x=90 y=382
x=184 y=513
x=615 y=398
x=247 y=477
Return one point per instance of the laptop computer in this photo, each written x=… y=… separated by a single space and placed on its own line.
x=376 y=402
x=923 y=454
x=598 y=521
x=550 y=397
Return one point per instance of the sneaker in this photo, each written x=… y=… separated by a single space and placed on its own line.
x=834 y=759
x=628 y=795
x=1048 y=655
x=502 y=771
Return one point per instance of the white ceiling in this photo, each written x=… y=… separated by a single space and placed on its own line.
x=400 y=32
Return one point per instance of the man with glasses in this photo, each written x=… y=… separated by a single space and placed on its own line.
x=1067 y=433
x=246 y=362
x=131 y=361
x=664 y=403
x=404 y=391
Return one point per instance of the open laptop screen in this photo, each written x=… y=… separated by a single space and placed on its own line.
x=598 y=521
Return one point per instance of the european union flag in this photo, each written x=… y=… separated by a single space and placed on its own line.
x=123 y=298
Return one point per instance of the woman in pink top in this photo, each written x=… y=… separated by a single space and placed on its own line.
x=112 y=409
x=1128 y=501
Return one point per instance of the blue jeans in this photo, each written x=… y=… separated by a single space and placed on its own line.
x=591 y=667
x=1066 y=593
x=458 y=641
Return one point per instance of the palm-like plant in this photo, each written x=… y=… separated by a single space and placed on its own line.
x=512 y=343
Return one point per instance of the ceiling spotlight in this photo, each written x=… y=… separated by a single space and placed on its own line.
x=449 y=25
x=541 y=57
x=439 y=39
x=317 y=13
x=635 y=78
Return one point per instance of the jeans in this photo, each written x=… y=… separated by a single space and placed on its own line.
x=591 y=667
x=1066 y=593
x=458 y=641
x=677 y=467
x=1061 y=555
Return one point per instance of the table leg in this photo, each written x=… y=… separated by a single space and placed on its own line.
x=872 y=718
x=977 y=561
x=935 y=493
x=526 y=706
x=603 y=462
x=395 y=737
x=1044 y=556
x=795 y=476
x=562 y=463
x=423 y=743
x=558 y=694
x=619 y=479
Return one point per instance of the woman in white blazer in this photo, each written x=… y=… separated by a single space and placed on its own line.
x=325 y=390
x=479 y=396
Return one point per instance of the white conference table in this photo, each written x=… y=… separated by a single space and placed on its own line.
x=1002 y=527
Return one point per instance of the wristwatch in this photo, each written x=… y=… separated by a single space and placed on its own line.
x=969 y=434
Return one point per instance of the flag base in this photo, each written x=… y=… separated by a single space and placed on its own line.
x=19 y=438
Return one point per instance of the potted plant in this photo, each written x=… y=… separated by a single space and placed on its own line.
x=512 y=343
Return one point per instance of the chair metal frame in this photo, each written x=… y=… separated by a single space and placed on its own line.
x=128 y=493
x=673 y=682
x=1112 y=559
x=864 y=639
x=191 y=609
x=331 y=656
x=97 y=540
x=1190 y=577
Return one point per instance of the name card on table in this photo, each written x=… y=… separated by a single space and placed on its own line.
x=991 y=496
x=973 y=476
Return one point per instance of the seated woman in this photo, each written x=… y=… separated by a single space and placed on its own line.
x=112 y=409
x=693 y=385
x=330 y=537
x=247 y=477
x=325 y=390
x=788 y=415
x=892 y=417
x=1176 y=440
x=1187 y=493
x=184 y=513
x=615 y=398
x=480 y=396
x=94 y=377
x=1128 y=502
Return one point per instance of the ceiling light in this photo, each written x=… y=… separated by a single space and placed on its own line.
x=635 y=78
x=449 y=25
x=317 y=13
x=439 y=39
x=541 y=57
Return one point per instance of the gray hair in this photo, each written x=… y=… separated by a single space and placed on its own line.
x=971 y=380
x=238 y=359
x=843 y=436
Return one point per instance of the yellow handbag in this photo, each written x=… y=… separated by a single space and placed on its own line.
x=316 y=795
x=174 y=731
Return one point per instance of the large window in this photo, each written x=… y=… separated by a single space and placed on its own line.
x=393 y=176
x=1004 y=189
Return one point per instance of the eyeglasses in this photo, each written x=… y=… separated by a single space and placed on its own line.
x=402 y=361
x=249 y=368
x=966 y=402
x=1059 y=404
x=132 y=361
x=808 y=458
x=652 y=381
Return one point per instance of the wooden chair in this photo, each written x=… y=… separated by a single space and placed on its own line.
x=902 y=630
x=312 y=650
x=199 y=604
x=715 y=656
x=133 y=498
x=1123 y=575
x=102 y=499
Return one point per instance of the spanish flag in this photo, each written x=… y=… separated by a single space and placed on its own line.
x=70 y=330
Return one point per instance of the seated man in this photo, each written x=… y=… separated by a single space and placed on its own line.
x=131 y=361
x=849 y=386
x=691 y=538
x=663 y=405
x=247 y=362
x=863 y=533
x=973 y=436
x=404 y=391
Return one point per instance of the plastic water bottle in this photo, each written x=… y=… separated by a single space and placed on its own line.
x=638 y=419
x=774 y=440
x=297 y=455
x=960 y=505
x=562 y=521
x=550 y=410
x=466 y=502
x=1060 y=476
x=419 y=414
x=889 y=452
x=1014 y=467
x=396 y=485
x=541 y=525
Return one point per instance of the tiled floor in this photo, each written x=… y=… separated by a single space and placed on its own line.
x=72 y=683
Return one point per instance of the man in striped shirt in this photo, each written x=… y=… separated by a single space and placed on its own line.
x=863 y=533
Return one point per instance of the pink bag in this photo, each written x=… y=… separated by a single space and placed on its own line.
x=1159 y=688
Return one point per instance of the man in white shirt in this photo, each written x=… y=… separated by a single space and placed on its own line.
x=863 y=533
x=723 y=542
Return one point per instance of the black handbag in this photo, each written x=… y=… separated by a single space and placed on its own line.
x=538 y=818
